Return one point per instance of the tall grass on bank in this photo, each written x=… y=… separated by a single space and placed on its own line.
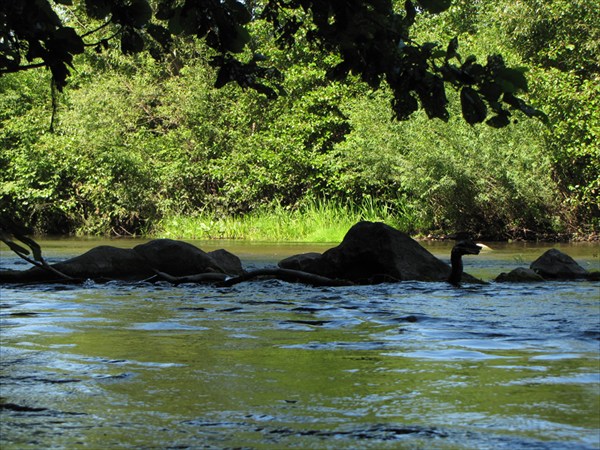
x=317 y=221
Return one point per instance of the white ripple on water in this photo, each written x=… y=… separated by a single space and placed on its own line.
x=165 y=326
x=579 y=378
x=447 y=355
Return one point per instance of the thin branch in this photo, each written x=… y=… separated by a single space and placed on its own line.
x=44 y=265
x=54 y=92
x=94 y=44
x=21 y=68
x=105 y=24
x=38 y=260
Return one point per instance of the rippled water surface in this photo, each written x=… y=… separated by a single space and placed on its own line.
x=271 y=365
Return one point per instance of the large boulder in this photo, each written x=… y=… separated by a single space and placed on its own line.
x=370 y=252
x=179 y=258
x=100 y=262
x=554 y=264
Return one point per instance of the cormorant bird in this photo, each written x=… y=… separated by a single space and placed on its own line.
x=462 y=247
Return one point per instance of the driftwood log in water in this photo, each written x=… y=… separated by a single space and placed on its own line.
x=289 y=275
x=208 y=277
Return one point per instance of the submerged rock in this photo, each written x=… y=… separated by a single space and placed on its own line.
x=519 y=275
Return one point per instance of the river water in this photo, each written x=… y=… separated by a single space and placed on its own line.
x=271 y=365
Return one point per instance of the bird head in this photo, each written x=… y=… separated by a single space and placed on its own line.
x=466 y=247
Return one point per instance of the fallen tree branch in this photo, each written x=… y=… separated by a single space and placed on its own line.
x=289 y=275
x=208 y=277
x=36 y=250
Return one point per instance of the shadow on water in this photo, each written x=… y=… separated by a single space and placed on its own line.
x=270 y=365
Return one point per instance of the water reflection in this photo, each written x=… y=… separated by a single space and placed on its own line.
x=270 y=365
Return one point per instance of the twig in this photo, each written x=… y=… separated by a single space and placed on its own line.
x=38 y=260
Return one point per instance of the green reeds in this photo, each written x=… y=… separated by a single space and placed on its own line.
x=314 y=221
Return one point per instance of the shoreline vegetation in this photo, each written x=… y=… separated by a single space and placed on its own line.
x=317 y=222
x=133 y=146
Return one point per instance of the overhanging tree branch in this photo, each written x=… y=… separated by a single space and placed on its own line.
x=371 y=37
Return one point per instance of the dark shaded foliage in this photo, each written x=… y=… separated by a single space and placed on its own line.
x=372 y=38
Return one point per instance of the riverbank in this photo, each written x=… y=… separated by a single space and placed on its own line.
x=321 y=221
x=316 y=222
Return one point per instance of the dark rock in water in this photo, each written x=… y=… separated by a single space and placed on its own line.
x=100 y=262
x=106 y=262
x=519 y=275
x=374 y=251
x=594 y=275
x=179 y=258
x=300 y=261
x=230 y=263
x=554 y=264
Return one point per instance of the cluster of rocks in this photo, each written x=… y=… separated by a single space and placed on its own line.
x=373 y=252
x=369 y=253
x=175 y=258
x=552 y=265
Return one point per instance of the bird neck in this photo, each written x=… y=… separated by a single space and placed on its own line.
x=457 y=268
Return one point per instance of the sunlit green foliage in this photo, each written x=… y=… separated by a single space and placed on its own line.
x=313 y=221
x=142 y=147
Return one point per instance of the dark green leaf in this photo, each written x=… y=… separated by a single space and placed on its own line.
x=131 y=42
x=499 y=121
x=435 y=6
x=433 y=98
x=238 y=41
x=491 y=91
x=69 y=40
x=266 y=90
x=160 y=34
x=135 y=13
x=98 y=9
x=223 y=77
x=140 y=13
x=175 y=24
x=164 y=10
x=404 y=104
x=339 y=72
x=451 y=51
x=473 y=108
x=239 y=11
x=411 y=13
x=513 y=79
x=520 y=105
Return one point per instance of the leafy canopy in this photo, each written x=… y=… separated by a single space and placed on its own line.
x=371 y=37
